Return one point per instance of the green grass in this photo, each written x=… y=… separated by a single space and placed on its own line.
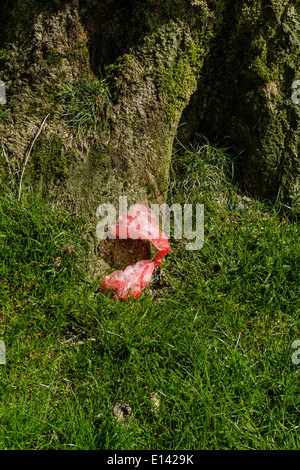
x=84 y=104
x=211 y=336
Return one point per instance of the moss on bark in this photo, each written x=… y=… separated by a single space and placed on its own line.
x=151 y=84
x=244 y=93
x=223 y=68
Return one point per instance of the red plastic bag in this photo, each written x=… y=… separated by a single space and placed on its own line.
x=139 y=224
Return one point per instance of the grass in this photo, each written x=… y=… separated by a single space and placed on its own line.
x=84 y=104
x=210 y=338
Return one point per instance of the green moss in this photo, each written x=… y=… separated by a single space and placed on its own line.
x=3 y=54
x=70 y=55
x=5 y=112
x=50 y=161
x=177 y=82
x=175 y=85
x=86 y=60
x=122 y=64
x=52 y=57
x=79 y=53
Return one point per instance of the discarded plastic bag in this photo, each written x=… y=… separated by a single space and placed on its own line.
x=139 y=224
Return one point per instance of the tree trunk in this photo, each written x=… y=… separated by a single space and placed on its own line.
x=247 y=93
x=118 y=77
x=151 y=52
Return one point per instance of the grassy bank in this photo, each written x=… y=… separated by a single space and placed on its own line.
x=202 y=360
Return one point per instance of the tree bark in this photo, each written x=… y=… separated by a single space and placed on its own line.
x=221 y=68
x=153 y=61
x=247 y=94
